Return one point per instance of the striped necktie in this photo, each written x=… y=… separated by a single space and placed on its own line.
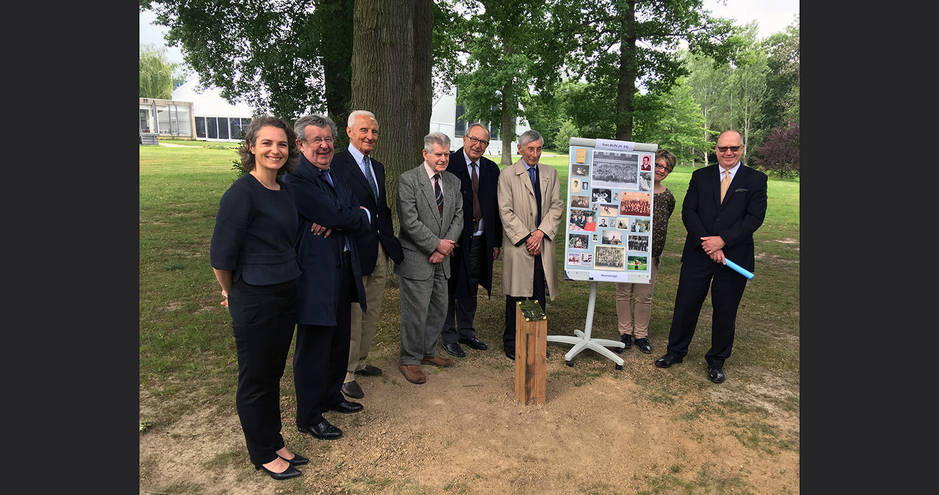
x=438 y=194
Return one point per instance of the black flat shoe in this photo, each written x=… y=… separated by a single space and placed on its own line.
x=322 y=430
x=510 y=353
x=346 y=406
x=667 y=360
x=454 y=350
x=290 y=472
x=369 y=370
x=475 y=343
x=644 y=346
x=298 y=460
x=716 y=375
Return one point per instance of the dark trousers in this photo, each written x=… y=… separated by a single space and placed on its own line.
x=263 y=318
x=726 y=288
x=321 y=355
x=537 y=293
x=461 y=311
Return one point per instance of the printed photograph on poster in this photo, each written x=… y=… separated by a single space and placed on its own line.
x=577 y=241
x=573 y=259
x=585 y=186
x=639 y=226
x=596 y=238
x=635 y=203
x=603 y=223
x=622 y=223
x=602 y=195
x=646 y=163
x=582 y=220
x=613 y=237
x=645 y=181
x=638 y=243
x=586 y=259
x=636 y=263
x=580 y=170
x=609 y=258
x=615 y=169
x=580 y=201
x=575 y=185
x=607 y=210
x=580 y=156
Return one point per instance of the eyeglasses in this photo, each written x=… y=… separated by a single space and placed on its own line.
x=318 y=140
x=663 y=167
x=723 y=149
x=441 y=154
x=477 y=140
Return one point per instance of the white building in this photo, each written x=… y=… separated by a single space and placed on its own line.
x=446 y=117
x=215 y=119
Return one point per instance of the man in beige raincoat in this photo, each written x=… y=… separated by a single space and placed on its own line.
x=530 y=219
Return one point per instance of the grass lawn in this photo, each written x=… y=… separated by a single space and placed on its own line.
x=187 y=353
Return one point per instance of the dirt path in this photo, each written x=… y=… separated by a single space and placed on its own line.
x=639 y=430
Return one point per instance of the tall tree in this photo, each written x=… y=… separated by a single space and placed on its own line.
x=156 y=73
x=626 y=43
x=707 y=81
x=745 y=90
x=782 y=81
x=391 y=76
x=672 y=119
x=509 y=46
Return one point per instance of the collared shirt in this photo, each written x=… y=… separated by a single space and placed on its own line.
x=430 y=174
x=732 y=171
x=469 y=171
x=359 y=158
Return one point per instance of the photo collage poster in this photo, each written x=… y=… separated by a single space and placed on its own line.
x=609 y=213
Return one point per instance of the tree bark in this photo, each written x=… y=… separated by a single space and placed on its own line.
x=391 y=63
x=508 y=129
x=336 y=63
x=626 y=88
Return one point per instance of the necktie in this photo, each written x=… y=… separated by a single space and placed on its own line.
x=371 y=178
x=328 y=178
x=477 y=211
x=531 y=176
x=725 y=184
x=438 y=194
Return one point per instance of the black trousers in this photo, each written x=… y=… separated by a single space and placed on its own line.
x=461 y=311
x=537 y=294
x=726 y=288
x=321 y=356
x=263 y=318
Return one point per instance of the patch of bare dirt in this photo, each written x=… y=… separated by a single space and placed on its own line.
x=463 y=432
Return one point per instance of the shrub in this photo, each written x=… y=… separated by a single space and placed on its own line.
x=780 y=152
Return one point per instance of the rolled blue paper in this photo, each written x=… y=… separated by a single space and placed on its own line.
x=739 y=269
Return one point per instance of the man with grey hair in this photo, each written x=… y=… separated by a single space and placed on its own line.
x=530 y=207
x=430 y=211
x=330 y=221
x=377 y=246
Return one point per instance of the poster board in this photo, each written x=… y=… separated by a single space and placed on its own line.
x=609 y=211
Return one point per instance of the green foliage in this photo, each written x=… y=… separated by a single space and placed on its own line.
x=564 y=134
x=156 y=73
x=673 y=120
x=782 y=80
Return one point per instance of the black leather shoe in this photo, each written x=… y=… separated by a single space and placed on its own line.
x=345 y=406
x=352 y=389
x=716 y=375
x=290 y=472
x=643 y=345
x=627 y=340
x=510 y=353
x=474 y=343
x=298 y=460
x=369 y=370
x=667 y=360
x=454 y=349
x=323 y=430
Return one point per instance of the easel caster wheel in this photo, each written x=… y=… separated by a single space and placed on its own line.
x=619 y=366
x=569 y=363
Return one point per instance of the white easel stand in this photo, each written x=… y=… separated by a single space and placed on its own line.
x=582 y=340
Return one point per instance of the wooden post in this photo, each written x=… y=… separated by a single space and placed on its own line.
x=531 y=328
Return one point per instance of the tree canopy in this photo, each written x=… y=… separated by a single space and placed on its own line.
x=156 y=73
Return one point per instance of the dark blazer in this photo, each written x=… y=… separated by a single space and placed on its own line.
x=735 y=219
x=320 y=257
x=381 y=229
x=492 y=223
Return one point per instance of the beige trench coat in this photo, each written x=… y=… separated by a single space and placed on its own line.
x=517 y=209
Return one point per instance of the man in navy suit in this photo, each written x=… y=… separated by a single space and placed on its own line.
x=478 y=246
x=330 y=221
x=724 y=205
x=365 y=176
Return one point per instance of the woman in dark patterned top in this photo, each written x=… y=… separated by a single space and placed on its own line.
x=636 y=321
x=254 y=260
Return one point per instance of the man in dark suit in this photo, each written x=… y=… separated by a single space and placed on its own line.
x=430 y=210
x=724 y=205
x=478 y=247
x=365 y=176
x=330 y=221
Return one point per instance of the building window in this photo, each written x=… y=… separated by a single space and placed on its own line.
x=460 y=124
x=223 y=127
x=211 y=127
x=200 y=127
x=493 y=132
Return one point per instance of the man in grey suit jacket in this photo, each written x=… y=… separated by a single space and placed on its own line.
x=430 y=211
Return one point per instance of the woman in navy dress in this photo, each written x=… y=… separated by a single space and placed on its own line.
x=254 y=259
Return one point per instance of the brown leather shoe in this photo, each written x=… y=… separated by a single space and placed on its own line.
x=413 y=373
x=441 y=361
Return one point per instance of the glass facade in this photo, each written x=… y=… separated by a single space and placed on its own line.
x=166 y=118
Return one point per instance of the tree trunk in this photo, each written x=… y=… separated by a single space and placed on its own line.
x=336 y=63
x=508 y=129
x=391 y=63
x=626 y=88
